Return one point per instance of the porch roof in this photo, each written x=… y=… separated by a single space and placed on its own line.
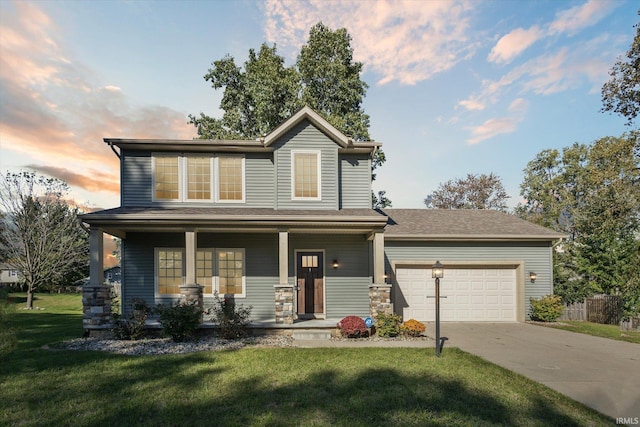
x=119 y=221
x=462 y=225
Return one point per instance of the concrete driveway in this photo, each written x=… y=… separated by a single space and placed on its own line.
x=601 y=373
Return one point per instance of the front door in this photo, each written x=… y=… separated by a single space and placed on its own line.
x=310 y=279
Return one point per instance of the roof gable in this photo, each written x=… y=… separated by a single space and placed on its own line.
x=316 y=119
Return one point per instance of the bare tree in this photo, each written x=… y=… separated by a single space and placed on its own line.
x=473 y=192
x=42 y=237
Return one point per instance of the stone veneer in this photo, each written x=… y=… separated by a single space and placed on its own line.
x=380 y=300
x=192 y=293
x=284 y=304
x=96 y=307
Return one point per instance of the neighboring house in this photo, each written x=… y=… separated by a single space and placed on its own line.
x=8 y=274
x=284 y=224
x=113 y=275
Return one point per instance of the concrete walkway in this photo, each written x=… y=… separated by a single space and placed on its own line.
x=601 y=373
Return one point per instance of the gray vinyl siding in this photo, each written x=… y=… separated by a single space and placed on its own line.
x=137 y=181
x=355 y=181
x=346 y=288
x=135 y=178
x=305 y=136
x=535 y=255
x=261 y=268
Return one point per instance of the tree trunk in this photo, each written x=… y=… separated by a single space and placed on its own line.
x=30 y=299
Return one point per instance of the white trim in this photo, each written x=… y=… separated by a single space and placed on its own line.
x=216 y=278
x=217 y=180
x=324 y=278
x=318 y=154
x=156 y=266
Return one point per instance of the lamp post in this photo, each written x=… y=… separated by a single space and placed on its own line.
x=437 y=272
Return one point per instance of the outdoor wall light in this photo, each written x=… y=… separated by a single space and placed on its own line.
x=533 y=276
x=335 y=264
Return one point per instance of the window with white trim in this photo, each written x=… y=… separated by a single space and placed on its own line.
x=231 y=272
x=204 y=270
x=305 y=175
x=198 y=178
x=178 y=178
x=169 y=271
x=230 y=178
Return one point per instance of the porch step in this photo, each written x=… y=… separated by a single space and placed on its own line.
x=311 y=334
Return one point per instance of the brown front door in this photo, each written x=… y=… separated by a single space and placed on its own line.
x=310 y=277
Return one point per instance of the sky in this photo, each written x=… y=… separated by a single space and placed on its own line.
x=455 y=87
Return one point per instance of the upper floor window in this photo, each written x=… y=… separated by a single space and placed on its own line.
x=305 y=175
x=231 y=179
x=191 y=178
x=166 y=178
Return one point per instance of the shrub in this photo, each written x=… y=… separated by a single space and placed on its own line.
x=413 y=328
x=546 y=309
x=180 y=321
x=353 y=327
x=388 y=325
x=132 y=327
x=232 y=319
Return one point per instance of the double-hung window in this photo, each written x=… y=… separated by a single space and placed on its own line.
x=169 y=271
x=197 y=178
x=305 y=175
x=231 y=276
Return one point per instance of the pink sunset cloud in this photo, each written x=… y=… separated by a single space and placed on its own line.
x=54 y=110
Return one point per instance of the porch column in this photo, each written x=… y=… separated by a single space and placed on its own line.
x=378 y=258
x=283 y=290
x=283 y=257
x=96 y=262
x=191 y=249
x=379 y=291
x=191 y=292
x=96 y=296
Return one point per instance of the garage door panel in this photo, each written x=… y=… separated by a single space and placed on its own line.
x=471 y=294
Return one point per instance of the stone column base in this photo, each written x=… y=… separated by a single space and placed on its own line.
x=284 y=304
x=96 y=307
x=380 y=300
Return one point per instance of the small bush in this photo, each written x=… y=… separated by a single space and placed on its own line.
x=353 y=327
x=131 y=328
x=232 y=319
x=413 y=328
x=180 y=321
x=388 y=325
x=546 y=309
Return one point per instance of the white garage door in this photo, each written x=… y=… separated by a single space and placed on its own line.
x=471 y=294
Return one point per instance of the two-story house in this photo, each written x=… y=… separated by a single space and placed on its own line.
x=284 y=223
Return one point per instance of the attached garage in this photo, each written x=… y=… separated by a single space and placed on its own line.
x=467 y=294
x=487 y=256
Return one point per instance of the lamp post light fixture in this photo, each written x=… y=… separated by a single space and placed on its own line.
x=437 y=272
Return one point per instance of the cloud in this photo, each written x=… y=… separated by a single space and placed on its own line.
x=491 y=128
x=403 y=41
x=519 y=105
x=94 y=181
x=572 y=20
x=53 y=108
x=472 y=104
x=514 y=43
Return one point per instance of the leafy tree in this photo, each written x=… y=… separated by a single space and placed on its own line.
x=264 y=92
x=621 y=94
x=42 y=234
x=380 y=201
x=472 y=192
x=592 y=193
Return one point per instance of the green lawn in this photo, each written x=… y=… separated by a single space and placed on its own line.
x=598 y=330
x=261 y=386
